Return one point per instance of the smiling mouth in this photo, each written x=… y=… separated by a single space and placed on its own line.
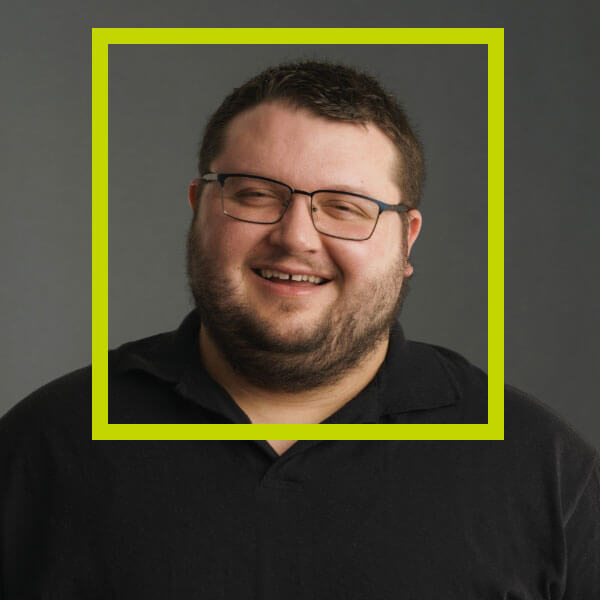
x=290 y=278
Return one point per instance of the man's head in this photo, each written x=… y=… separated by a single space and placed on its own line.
x=311 y=126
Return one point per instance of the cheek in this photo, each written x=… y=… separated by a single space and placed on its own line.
x=366 y=261
x=226 y=241
x=353 y=259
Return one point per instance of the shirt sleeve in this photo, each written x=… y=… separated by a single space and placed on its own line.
x=582 y=536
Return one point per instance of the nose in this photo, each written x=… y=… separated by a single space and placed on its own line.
x=296 y=232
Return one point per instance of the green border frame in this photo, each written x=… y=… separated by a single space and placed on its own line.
x=493 y=38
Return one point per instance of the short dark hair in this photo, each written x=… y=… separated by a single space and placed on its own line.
x=333 y=91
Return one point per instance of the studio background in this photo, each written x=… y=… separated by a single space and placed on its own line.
x=160 y=98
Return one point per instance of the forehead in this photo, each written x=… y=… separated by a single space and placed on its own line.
x=305 y=149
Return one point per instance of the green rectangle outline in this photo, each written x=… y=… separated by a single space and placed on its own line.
x=103 y=37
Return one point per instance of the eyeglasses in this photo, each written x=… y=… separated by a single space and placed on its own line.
x=343 y=215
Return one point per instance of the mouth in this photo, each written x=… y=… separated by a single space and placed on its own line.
x=294 y=279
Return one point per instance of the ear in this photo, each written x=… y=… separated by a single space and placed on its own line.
x=193 y=193
x=415 y=220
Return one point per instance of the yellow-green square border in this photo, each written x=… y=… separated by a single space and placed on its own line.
x=102 y=38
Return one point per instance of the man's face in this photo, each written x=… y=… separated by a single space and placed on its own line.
x=288 y=321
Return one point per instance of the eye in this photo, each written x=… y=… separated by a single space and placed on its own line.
x=344 y=208
x=340 y=208
x=256 y=195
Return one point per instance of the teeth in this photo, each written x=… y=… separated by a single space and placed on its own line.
x=269 y=273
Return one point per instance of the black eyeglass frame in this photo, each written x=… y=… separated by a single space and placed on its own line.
x=383 y=206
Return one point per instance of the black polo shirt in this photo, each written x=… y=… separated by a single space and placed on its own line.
x=512 y=519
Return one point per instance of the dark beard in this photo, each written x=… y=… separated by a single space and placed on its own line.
x=345 y=336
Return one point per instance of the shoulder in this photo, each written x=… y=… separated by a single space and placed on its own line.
x=545 y=452
x=65 y=400
x=40 y=431
x=539 y=443
x=64 y=404
x=532 y=428
x=532 y=424
x=529 y=422
x=526 y=413
x=537 y=439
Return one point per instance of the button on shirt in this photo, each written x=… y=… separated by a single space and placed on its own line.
x=517 y=519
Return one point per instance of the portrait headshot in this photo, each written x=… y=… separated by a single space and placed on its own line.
x=297 y=234
x=292 y=334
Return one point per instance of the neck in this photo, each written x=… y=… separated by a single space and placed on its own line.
x=302 y=406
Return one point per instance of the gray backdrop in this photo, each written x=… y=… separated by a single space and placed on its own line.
x=160 y=97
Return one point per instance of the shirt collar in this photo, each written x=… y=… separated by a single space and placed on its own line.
x=413 y=376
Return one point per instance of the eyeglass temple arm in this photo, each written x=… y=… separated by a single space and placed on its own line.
x=210 y=177
x=401 y=208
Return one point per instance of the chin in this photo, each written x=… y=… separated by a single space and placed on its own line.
x=289 y=329
x=291 y=325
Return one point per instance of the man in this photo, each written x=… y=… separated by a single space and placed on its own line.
x=304 y=216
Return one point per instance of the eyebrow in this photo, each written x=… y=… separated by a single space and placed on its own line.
x=347 y=188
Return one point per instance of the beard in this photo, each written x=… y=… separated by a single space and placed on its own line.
x=309 y=358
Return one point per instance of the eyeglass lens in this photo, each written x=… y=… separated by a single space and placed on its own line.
x=334 y=213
